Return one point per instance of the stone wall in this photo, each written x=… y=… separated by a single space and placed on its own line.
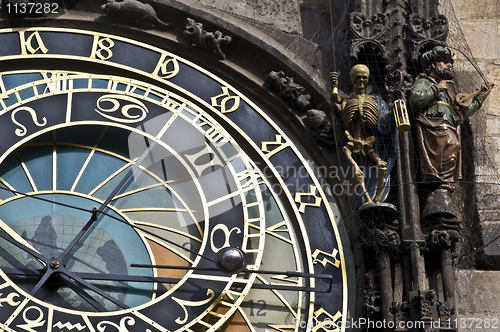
x=476 y=289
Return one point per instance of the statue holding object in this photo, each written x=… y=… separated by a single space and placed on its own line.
x=439 y=114
x=371 y=136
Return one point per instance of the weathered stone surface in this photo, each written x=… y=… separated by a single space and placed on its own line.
x=284 y=15
x=493 y=75
x=491 y=231
x=482 y=37
x=475 y=293
x=476 y=9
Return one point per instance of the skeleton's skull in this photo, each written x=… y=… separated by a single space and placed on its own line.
x=359 y=77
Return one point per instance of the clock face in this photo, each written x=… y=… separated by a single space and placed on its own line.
x=160 y=204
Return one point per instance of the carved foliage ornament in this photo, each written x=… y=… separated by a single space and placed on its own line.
x=424 y=31
x=366 y=28
x=434 y=28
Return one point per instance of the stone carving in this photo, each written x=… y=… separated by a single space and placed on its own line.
x=363 y=27
x=387 y=240
x=208 y=41
x=445 y=310
x=371 y=135
x=398 y=81
x=320 y=126
x=438 y=116
x=289 y=90
x=434 y=28
x=426 y=31
x=428 y=301
x=370 y=33
x=442 y=239
x=400 y=311
x=372 y=296
x=133 y=12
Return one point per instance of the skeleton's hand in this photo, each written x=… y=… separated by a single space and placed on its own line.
x=334 y=78
x=334 y=81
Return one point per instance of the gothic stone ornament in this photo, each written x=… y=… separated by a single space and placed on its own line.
x=386 y=240
x=442 y=239
x=400 y=311
x=446 y=310
x=398 y=83
x=208 y=41
x=372 y=296
x=286 y=88
x=368 y=33
x=430 y=307
x=426 y=31
x=360 y=113
x=427 y=301
x=133 y=12
x=368 y=28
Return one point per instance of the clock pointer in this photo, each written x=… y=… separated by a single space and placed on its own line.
x=53 y=267
x=96 y=212
x=112 y=277
x=232 y=260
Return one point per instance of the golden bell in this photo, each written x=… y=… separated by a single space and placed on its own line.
x=401 y=115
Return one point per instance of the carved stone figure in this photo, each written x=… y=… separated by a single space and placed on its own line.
x=370 y=134
x=285 y=86
x=439 y=114
x=134 y=12
x=208 y=41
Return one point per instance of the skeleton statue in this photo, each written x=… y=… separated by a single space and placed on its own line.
x=370 y=134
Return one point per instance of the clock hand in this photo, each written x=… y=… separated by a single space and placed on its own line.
x=104 y=205
x=24 y=246
x=43 y=199
x=82 y=293
x=95 y=216
x=95 y=211
x=115 y=277
x=15 y=236
x=83 y=282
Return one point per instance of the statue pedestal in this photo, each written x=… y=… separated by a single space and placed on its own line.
x=438 y=212
x=378 y=213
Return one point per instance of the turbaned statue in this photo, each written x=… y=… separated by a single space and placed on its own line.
x=439 y=114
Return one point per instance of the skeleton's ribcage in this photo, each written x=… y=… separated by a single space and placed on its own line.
x=355 y=111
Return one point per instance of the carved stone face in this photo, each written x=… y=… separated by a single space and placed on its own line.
x=359 y=77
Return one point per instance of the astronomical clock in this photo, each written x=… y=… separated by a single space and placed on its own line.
x=141 y=192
